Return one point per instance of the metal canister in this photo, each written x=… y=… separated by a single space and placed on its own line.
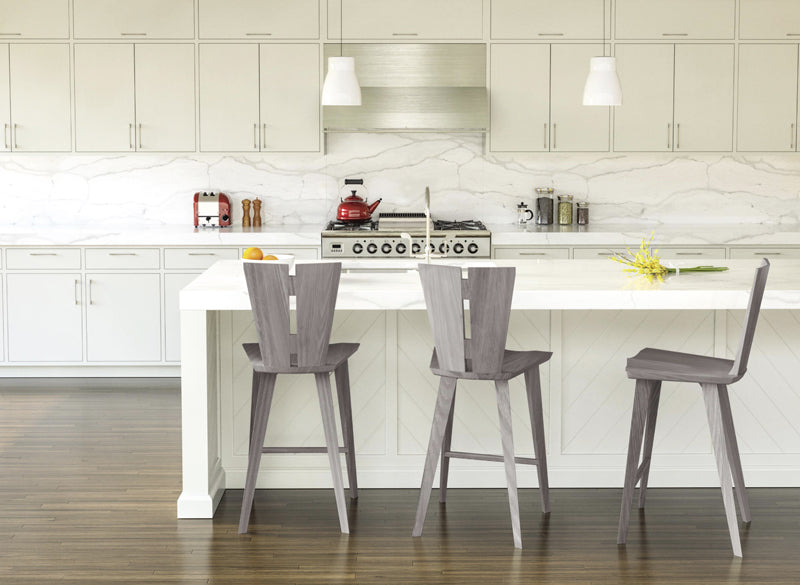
x=564 y=209
x=582 y=212
x=544 y=205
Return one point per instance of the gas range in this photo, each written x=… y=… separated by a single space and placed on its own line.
x=384 y=238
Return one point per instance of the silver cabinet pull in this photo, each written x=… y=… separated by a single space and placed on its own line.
x=792 y=143
x=75 y=290
x=550 y=34
x=122 y=253
x=404 y=34
x=130 y=136
x=140 y=136
x=5 y=136
x=604 y=254
x=91 y=301
x=2 y=34
x=554 y=136
x=545 y=135
x=669 y=135
x=42 y=254
x=688 y=253
x=533 y=253
x=263 y=135
x=793 y=34
x=202 y=254
x=766 y=253
x=255 y=136
x=133 y=34
x=256 y=34
x=674 y=34
x=678 y=137
x=16 y=129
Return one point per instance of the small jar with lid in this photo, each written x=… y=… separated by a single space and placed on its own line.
x=544 y=205
x=564 y=209
x=582 y=211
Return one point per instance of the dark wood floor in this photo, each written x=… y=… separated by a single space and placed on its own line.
x=91 y=472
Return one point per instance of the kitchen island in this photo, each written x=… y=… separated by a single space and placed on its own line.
x=588 y=312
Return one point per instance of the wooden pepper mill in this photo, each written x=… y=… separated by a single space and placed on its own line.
x=257 y=212
x=245 y=213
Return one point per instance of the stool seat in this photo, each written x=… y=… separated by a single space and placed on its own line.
x=338 y=353
x=514 y=364
x=674 y=366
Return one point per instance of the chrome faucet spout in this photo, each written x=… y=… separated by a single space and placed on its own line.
x=427 y=225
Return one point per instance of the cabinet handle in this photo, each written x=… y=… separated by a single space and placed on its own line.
x=42 y=254
x=766 y=253
x=263 y=135
x=550 y=34
x=545 y=136
x=5 y=135
x=130 y=136
x=674 y=34
x=554 y=136
x=256 y=34
x=604 y=254
x=202 y=254
x=19 y=34
x=404 y=34
x=75 y=290
x=15 y=129
x=688 y=253
x=122 y=253
x=793 y=34
x=91 y=301
x=130 y=34
x=791 y=137
x=532 y=253
x=669 y=135
x=140 y=136
x=678 y=137
x=255 y=136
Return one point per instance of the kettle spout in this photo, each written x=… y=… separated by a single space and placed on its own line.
x=374 y=205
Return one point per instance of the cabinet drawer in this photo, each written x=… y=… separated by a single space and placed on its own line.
x=531 y=253
x=34 y=19
x=764 y=252
x=545 y=19
x=259 y=19
x=133 y=19
x=43 y=258
x=121 y=258
x=675 y=19
x=592 y=253
x=299 y=253
x=769 y=19
x=196 y=258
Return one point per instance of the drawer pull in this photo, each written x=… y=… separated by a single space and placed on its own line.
x=766 y=253
x=688 y=253
x=550 y=34
x=256 y=34
x=122 y=253
x=42 y=254
x=202 y=254
x=605 y=254
x=787 y=34
x=533 y=253
x=404 y=34
x=674 y=34
x=91 y=301
x=77 y=282
x=20 y=34
x=132 y=34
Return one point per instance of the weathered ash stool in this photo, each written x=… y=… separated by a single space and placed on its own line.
x=649 y=368
x=309 y=351
x=482 y=357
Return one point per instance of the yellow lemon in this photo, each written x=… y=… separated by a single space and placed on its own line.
x=253 y=254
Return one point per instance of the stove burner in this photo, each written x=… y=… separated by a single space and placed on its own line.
x=466 y=225
x=347 y=226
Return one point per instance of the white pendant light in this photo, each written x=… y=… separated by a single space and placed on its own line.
x=341 y=86
x=602 y=85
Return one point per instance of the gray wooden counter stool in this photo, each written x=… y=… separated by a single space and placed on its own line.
x=649 y=368
x=309 y=351
x=482 y=357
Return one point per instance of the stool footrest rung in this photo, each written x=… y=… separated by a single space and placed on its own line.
x=299 y=450
x=482 y=457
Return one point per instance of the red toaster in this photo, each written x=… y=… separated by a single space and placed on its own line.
x=212 y=210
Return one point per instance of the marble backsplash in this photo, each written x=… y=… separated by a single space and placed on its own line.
x=45 y=190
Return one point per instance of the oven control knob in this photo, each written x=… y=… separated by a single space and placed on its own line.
x=472 y=248
x=415 y=248
x=372 y=248
x=386 y=248
x=357 y=248
x=444 y=247
x=401 y=248
x=433 y=247
x=458 y=248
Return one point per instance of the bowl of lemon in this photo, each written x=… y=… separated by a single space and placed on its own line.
x=253 y=254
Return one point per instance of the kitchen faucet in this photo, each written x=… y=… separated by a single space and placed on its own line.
x=406 y=237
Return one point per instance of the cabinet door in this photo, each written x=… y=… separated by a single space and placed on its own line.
x=165 y=111
x=268 y=19
x=644 y=120
x=545 y=19
x=290 y=98
x=104 y=108
x=520 y=100
x=34 y=19
x=411 y=19
x=173 y=283
x=575 y=127
x=769 y=19
x=44 y=318
x=123 y=318
x=229 y=98
x=40 y=97
x=5 y=104
x=704 y=97
x=767 y=115
x=675 y=19
x=133 y=19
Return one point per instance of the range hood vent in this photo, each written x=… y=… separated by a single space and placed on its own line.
x=414 y=88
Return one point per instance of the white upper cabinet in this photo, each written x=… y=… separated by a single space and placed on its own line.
x=410 y=19
x=259 y=19
x=767 y=114
x=34 y=19
x=134 y=19
x=5 y=103
x=40 y=97
x=769 y=19
x=675 y=19
x=545 y=19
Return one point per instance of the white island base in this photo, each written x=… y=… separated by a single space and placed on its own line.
x=587 y=398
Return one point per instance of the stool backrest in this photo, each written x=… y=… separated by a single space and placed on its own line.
x=751 y=319
x=315 y=287
x=489 y=291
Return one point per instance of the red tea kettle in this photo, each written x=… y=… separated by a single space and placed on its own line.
x=353 y=207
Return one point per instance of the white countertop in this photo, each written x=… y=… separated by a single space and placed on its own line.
x=540 y=284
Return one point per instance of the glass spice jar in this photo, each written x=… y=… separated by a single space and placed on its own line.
x=544 y=205
x=565 y=209
x=582 y=212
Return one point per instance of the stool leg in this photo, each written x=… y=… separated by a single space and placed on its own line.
x=342 y=375
x=504 y=413
x=654 y=395
x=533 y=388
x=715 y=424
x=632 y=466
x=733 y=453
x=253 y=398
x=266 y=387
x=447 y=390
x=444 y=470
x=332 y=442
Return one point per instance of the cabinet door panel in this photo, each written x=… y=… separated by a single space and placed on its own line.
x=104 y=108
x=575 y=127
x=229 y=98
x=34 y=19
x=134 y=19
x=5 y=103
x=644 y=120
x=520 y=100
x=704 y=97
x=268 y=19
x=290 y=98
x=40 y=97
x=165 y=98
x=123 y=317
x=173 y=283
x=767 y=115
x=545 y=19
x=675 y=19
x=44 y=318
x=769 y=19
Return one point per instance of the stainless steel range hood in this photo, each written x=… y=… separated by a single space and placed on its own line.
x=414 y=88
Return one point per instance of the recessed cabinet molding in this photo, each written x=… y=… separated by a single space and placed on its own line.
x=547 y=19
x=34 y=19
x=259 y=19
x=674 y=19
x=769 y=19
x=407 y=20
x=133 y=19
